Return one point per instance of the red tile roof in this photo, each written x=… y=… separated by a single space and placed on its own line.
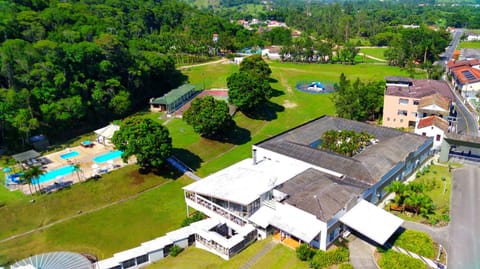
x=454 y=63
x=433 y=121
x=435 y=99
x=458 y=72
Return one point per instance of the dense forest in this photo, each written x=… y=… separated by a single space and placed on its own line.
x=67 y=66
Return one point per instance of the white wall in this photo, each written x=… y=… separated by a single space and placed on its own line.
x=432 y=131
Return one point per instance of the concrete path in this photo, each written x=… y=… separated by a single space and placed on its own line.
x=427 y=261
x=259 y=254
x=361 y=254
x=207 y=63
x=175 y=162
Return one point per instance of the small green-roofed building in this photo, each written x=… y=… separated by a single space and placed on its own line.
x=174 y=99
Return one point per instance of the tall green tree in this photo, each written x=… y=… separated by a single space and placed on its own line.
x=147 y=140
x=32 y=175
x=248 y=91
x=255 y=65
x=209 y=117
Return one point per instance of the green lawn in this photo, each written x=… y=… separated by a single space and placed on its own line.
x=279 y=257
x=107 y=231
x=156 y=212
x=375 y=52
x=469 y=45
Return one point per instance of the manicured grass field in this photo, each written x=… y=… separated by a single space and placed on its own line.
x=279 y=257
x=375 y=52
x=156 y=212
x=469 y=45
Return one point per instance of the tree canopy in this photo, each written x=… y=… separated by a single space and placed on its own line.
x=248 y=91
x=209 y=117
x=147 y=140
x=345 y=142
x=256 y=66
x=359 y=100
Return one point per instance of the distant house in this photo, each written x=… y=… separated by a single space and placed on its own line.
x=433 y=126
x=465 y=76
x=174 y=99
x=403 y=97
x=272 y=52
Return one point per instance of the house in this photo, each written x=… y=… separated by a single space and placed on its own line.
x=404 y=95
x=465 y=76
x=272 y=52
x=433 y=126
x=174 y=99
x=297 y=191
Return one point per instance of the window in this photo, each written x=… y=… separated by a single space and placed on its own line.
x=416 y=102
x=402 y=112
x=401 y=120
x=438 y=137
x=142 y=259
x=388 y=118
x=403 y=101
x=424 y=134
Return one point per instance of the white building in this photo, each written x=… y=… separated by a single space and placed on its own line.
x=432 y=126
x=292 y=188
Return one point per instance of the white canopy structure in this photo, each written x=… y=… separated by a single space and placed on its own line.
x=371 y=221
x=55 y=260
x=105 y=134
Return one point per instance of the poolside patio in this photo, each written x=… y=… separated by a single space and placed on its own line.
x=88 y=168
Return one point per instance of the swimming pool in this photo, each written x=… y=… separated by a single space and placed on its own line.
x=62 y=171
x=69 y=155
x=108 y=156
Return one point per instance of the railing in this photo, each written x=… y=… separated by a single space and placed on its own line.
x=217 y=209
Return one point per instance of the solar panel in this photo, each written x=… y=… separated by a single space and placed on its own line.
x=468 y=75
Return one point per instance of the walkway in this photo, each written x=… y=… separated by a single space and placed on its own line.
x=207 y=63
x=427 y=261
x=259 y=254
x=361 y=254
x=182 y=167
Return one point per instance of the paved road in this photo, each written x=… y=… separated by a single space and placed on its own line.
x=464 y=229
x=361 y=254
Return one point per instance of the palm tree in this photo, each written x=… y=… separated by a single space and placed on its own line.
x=77 y=170
x=32 y=174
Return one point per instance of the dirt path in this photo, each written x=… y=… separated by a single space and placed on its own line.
x=371 y=57
x=207 y=63
x=81 y=213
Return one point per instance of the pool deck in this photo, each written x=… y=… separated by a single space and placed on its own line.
x=84 y=159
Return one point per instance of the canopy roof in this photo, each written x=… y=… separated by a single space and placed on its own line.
x=173 y=95
x=371 y=221
x=107 y=131
x=27 y=155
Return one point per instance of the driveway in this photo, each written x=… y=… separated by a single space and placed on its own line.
x=361 y=254
x=464 y=228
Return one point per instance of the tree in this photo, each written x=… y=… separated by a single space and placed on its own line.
x=32 y=175
x=256 y=65
x=208 y=116
x=148 y=140
x=248 y=91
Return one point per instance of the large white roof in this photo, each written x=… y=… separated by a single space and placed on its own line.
x=371 y=221
x=156 y=244
x=107 y=131
x=129 y=254
x=107 y=263
x=244 y=182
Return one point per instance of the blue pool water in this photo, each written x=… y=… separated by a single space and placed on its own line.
x=108 y=156
x=69 y=155
x=62 y=171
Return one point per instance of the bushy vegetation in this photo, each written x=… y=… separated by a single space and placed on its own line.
x=175 y=250
x=345 y=266
x=416 y=242
x=394 y=260
x=322 y=259
x=196 y=216
x=345 y=142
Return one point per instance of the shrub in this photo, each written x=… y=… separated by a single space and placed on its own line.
x=337 y=256
x=2 y=204
x=319 y=260
x=304 y=252
x=416 y=242
x=395 y=260
x=445 y=217
x=345 y=266
x=175 y=250
x=196 y=216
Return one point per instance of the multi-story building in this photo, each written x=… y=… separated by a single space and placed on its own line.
x=296 y=190
x=403 y=100
x=465 y=76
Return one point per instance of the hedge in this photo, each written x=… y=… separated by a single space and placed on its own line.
x=416 y=242
x=394 y=260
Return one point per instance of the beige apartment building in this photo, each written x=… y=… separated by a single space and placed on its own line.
x=403 y=96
